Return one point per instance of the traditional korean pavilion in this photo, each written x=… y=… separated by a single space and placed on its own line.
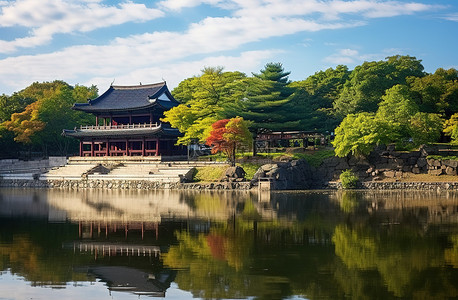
x=128 y=123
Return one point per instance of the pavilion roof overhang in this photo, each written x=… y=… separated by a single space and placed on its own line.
x=129 y=98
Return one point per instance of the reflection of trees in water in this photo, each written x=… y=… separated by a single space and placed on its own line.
x=34 y=250
x=398 y=244
x=378 y=251
x=319 y=245
x=252 y=258
x=404 y=261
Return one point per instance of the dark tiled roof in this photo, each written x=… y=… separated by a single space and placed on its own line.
x=121 y=98
x=122 y=133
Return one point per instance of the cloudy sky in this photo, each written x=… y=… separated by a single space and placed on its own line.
x=130 y=41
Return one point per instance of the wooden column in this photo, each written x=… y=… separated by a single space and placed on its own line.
x=108 y=148
x=81 y=148
x=157 y=147
x=127 y=148
x=130 y=119
x=92 y=148
x=97 y=120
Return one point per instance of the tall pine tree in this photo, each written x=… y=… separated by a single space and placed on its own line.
x=265 y=101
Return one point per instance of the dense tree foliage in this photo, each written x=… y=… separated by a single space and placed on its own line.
x=406 y=106
x=358 y=134
x=314 y=97
x=436 y=93
x=203 y=99
x=38 y=125
x=399 y=103
x=367 y=83
x=451 y=128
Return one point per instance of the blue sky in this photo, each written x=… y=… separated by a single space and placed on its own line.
x=97 y=42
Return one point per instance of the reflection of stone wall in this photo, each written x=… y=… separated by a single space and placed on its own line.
x=148 y=206
x=430 y=206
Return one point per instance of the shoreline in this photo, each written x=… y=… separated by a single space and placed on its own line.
x=231 y=185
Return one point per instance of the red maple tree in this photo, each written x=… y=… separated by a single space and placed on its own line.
x=227 y=135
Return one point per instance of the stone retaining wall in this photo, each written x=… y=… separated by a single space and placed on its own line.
x=150 y=185
x=374 y=185
x=382 y=163
x=121 y=184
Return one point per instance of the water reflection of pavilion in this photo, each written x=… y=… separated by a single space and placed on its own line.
x=125 y=279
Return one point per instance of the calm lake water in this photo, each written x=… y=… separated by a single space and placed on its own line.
x=181 y=245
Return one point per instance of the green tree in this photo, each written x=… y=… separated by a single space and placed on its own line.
x=204 y=98
x=425 y=128
x=397 y=105
x=451 y=128
x=368 y=82
x=314 y=97
x=396 y=109
x=40 y=124
x=436 y=93
x=264 y=100
x=15 y=103
x=358 y=134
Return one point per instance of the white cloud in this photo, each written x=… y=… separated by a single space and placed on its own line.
x=48 y=17
x=139 y=57
x=174 y=73
x=451 y=17
x=100 y=65
x=330 y=9
x=353 y=57
x=180 y=4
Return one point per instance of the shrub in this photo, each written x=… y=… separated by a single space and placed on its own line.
x=349 y=179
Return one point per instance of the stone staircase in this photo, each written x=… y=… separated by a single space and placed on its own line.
x=68 y=172
x=124 y=168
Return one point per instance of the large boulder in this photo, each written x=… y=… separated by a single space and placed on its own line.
x=234 y=174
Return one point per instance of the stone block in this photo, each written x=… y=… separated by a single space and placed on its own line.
x=421 y=162
x=412 y=161
x=389 y=174
x=343 y=165
x=451 y=163
x=450 y=171
x=332 y=161
x=407 y=169
x=436 y=172
x=268 y=167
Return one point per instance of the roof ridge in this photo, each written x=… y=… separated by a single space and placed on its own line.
x=126 y=87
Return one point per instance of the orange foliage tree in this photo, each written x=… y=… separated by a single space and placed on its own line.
x=229 y=134
x=25 y=124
